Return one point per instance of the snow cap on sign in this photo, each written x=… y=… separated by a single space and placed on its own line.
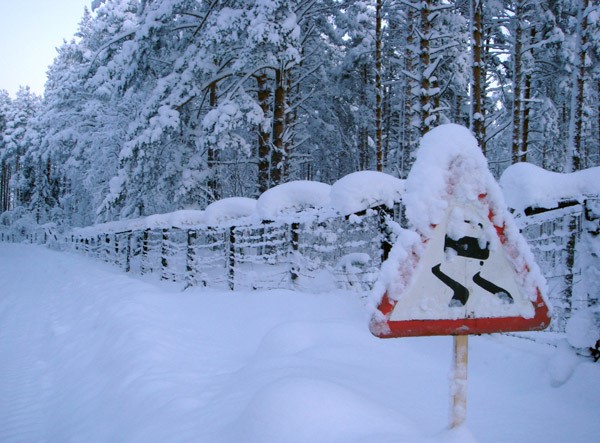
x=365 y=189
x=292 y=197
x=228 y=210
x=526 y=185
x=448 y=162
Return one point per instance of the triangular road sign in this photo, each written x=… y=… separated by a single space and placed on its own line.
x=460 y=286
x=468 y=277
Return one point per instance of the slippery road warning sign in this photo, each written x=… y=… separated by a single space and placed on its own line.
x=465 y=275
x=472 y=272
x=463 y=283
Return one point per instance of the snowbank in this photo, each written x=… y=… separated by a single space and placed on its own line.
x=365 y=189
x=90 y=354
x=526 y=185
x=291 y=197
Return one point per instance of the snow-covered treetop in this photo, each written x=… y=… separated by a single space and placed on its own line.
x=365 y=189
x=449 y=163
x=291 y=197
x=526 y=185
x=228 y=210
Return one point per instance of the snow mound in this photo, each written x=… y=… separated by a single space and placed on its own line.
x=583 y=328
x=526 y=185
x=229 y=209
x=291 y=197
x=365 y=189
x=303 y=409
x=298 y=336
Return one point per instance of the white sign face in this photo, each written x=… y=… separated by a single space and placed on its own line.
x=463 y=273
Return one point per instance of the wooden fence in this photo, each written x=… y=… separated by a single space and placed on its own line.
x=297 y=250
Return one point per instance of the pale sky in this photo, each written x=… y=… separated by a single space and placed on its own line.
x=30 y=32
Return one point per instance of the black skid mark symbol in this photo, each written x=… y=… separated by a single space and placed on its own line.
x=499 y=292
x=461 y=293
x=467 y=247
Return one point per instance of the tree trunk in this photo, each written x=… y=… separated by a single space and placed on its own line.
x=378 y=89
x=426 y=108
x=598 y=112
x=4 y=187
x=263 y=135
x=517 y=75
x=576 y=127
x=477 y=75
x=363 y=131
x=409 y=98
x=290 y=122
x=527 y=102
x=277 y=152
x=213 y=155
x=391 y=113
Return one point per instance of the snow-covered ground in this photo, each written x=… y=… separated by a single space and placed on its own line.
x=90 y=354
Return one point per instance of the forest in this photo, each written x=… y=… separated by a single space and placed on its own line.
x=159 y=105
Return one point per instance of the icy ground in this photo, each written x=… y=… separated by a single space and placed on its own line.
x=89 y=354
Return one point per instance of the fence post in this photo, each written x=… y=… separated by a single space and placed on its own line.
x=295 y=271
x=385 y=214
x=128 y=253
x=106 y=248
x=164 y=250
x=231 y=259
x=190 y=259
x=144 y=251
x=570 y=262
x=116 y=248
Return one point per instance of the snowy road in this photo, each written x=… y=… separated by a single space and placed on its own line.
x=90 y=354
